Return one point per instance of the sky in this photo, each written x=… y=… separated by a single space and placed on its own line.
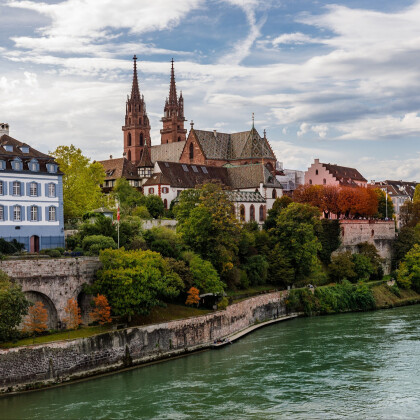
x=338 y=81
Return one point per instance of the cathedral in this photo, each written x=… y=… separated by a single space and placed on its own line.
x=244 y=161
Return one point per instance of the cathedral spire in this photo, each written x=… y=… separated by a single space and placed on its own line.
x=173 y=100
x=135 y=91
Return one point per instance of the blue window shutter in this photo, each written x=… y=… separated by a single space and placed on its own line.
x=22 y=213
x=46 y=214
x=5 y=213
x=4 y=187
x=38 y=189
x=22 y=188
x=39 y=214
x=11 y=187
x=28 y=188
x=28 y=213
x=46 y=190
x=11 y=212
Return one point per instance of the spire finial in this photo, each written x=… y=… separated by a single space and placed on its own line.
x=265 y=133
x=192 y=124
x=253 y=120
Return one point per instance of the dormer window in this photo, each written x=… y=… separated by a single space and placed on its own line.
x=51 y=168
x=8 y=147
x=24 y=149
x=17 y=164
x=33 y=165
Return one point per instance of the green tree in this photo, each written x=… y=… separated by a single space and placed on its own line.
x=13 y=306
x=329 y=236
x=416 y=198
x=155 y=206
x=362 y=266
x=127 y=196
x=406 y=239
x=256 y=270
x=370 y=251
x=383 y=211
x=409 y=271
x=342 y=267
x=296 y=234
x=279 y=204
x=410 y=214
x=81 y=181
x=95 y=243
x=135 y=281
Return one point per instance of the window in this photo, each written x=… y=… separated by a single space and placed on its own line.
x=165 y=190
x=310 y=182
x=1 y=213
x=194 y=168
x=8 y=147
x=204 y=169
x=51 y=214
x=24 y=149
x=129 y=139
x=16 y=213
x=191 y=151
x=17 y=165
x=167 y=164
x=16 y=188
x=151 y=190
x=1 y=188
x=34 y=213
x=51 y=190
x=242 y=213
x=2 y=165
x=324 y=181
x=252 y=213
x=33 y=166
x=274 y=193
x=51 y=168
x=179 y=138
x=316 y=171
x=185 y=168
x=33 y=189
x=129 y=155
x=141 y=139
x=261 y=213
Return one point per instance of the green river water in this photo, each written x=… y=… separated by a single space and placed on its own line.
x=361 y=366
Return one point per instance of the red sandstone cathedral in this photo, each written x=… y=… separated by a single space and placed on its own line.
x=246 y=149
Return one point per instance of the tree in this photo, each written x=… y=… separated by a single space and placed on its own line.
x=406 y=239
x=410 y=214
x=193 y=296
x=73 y=316
x=409 y=271
x=36 y=320
x=135 y=281
x=329 y=236
x=357 y=201
x=95 y=243
x=256 y=270
x=385 y=205
x=309 y=194
x=416 y=197
x=81 y=181
x=329 y=201
x=279 y=204
x=362 y=266
x=342 y=267
x=155 y=206
x=13 y=306
x=102 y=311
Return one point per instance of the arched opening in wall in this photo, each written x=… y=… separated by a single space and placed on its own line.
x=179 y=138
x=34 y=297
x=84 y=303
x=261 y=213
x=242 y=213
x=141 y=139
x=129 y=155
x=34 y=244
x=165 y=203
x=316 y=172
x=129 y=139
x=191 y=151
x=274 y=193
x=252 y=213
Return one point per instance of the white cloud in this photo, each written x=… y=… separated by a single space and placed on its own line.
x=304 y=128
x=294 y=38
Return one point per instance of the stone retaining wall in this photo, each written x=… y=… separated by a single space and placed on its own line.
x=39 y=365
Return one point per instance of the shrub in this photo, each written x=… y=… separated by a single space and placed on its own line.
x=362 y=266
x=10 y=247
x=142 y=212
x=223 y=304
x=256 y=270
x=342 y=267
x=93 y=244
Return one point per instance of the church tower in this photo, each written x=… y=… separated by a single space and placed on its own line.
x=173 y=118
x=137 y=127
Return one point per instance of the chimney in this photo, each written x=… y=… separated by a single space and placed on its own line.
x=110 y=156
x=4 y=129
x=316 y=160
x=215 y=133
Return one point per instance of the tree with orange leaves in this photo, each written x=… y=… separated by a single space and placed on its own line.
x=73 y=317
x=102 y=310
x=330 y=205
x=309 y=194
x=193 y=296
x=36 y=320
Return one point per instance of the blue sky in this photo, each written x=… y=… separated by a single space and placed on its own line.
x=338 y=81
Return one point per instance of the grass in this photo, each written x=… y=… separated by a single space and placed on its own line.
x=385 y=298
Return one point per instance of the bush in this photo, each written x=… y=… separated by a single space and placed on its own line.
x=244 y=280
x=256 y=270
x=95 y=243
x=10 y=247
x=362 y=266
x=223 y=304
x=342 y=267
x=142 y=212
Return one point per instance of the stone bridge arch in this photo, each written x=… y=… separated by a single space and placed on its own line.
x=34 y=297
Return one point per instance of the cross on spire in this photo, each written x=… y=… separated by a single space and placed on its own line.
x=252 y=120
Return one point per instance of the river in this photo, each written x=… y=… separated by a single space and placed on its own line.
x=358 y=365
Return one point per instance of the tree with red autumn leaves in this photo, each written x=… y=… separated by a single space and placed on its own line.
x=73 y=317
x=193 y=296
x=37 y=319
x=102 y=311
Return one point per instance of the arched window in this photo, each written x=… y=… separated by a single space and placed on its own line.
x=179 y=138
x=141 y=139
x=261 y=213
x=324 y=181
x=310 y=182
x=252 y=213
x=242 y=213
x=191 y=151
x=129 y=139
x=316 y=171
x=129 y=155
x=274 y=193
x=165 y=203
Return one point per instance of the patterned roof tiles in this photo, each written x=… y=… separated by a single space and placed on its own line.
x=170 y=152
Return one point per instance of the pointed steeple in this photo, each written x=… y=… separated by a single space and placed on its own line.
x=135 y=91
x=173 y=100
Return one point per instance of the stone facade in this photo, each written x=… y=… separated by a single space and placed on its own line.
x=380 y=233
x=28 y=367
x=53 y=281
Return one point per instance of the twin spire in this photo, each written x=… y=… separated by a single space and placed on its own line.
x=135 y=91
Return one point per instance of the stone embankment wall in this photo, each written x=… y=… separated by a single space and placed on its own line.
x=377 y=232
x=52 y=281
x=35 y=366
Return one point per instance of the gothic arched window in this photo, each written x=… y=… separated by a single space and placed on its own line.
x=141 y=139
x=252 y=213
x=129 y=155
x=242 y=213
x=261 y=213
x=129 y=139
x=191 y=151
